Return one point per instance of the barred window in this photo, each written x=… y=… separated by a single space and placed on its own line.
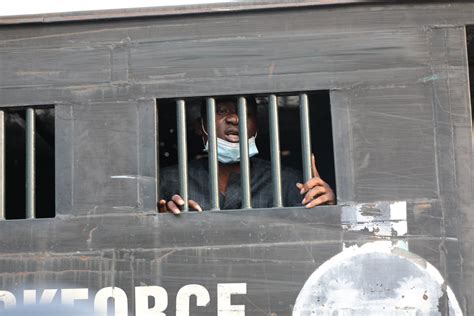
x=289 y=128
x=27 y=162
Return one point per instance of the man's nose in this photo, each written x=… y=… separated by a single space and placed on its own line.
x=233 y=118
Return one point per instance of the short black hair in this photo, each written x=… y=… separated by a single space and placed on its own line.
x=251 y=102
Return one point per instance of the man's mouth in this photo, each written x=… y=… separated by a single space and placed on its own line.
x=232 y=136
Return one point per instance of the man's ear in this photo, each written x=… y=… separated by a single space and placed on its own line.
x=197 y=127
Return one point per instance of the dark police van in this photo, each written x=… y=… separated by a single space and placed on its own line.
x=95 y=104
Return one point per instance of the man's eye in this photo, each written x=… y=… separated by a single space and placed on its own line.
x=222 y=111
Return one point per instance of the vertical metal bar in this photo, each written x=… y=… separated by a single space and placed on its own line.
x=182 y=153
x=275 y=150
x=212 y=141
x=244 y=154
x=2 y=164
x=30 y=163
x=305 y=136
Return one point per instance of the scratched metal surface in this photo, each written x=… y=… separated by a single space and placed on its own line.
x=402 y=131
x=273 y=251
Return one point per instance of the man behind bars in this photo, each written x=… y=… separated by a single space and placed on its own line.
x=310 y=194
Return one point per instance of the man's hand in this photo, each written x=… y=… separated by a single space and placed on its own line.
x=317 y=191
x=173 y=205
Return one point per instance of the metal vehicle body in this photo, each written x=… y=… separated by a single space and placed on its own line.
x=398 y=81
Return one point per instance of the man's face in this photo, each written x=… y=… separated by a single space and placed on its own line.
x=227 y=121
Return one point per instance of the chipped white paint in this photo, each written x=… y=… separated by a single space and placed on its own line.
x=400 y=228
x=8 y=299
x=380 y=218
x=375 y=279
x=133 y=177
x=184 y=295
x=142 y=295
x=119 y=300
x=224 y=299
x=398 y=211
x=398 y=218
x=101 y=303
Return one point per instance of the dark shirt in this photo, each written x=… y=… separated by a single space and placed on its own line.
x=260 y=183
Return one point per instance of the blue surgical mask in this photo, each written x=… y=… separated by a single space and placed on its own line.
x=228 y=152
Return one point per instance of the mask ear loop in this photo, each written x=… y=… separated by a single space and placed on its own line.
x=202 y=126
x=202 y=137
